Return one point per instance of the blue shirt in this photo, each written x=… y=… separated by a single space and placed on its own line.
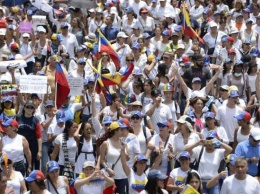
x=247 y=150
x=109 y=33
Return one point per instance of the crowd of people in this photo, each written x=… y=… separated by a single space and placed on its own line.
x=186 y=119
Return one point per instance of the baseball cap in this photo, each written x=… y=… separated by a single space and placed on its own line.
x=56 y=37
x=137 y=71
x=91 y=79
x=137 y=103
x=239 y=63
x=254 y=52
x=10 y=122
x=136 y=26
x=12 y=27
x=178 y=28
x=136 y=45
x=107 y=120
x=185 y=154
x=196 y=94
x=206 y=11
x=247 y=10
x=122 y=35
x=89 y=164
x=247 y=42
x=196 y=79
x=216 y=13
x=230 y=51
x=231 y=158
x=239 y=15
x=129 y=10
x=209 y=115
x=249 y=20
x=181 y=46
x=41 y=29
x=213 y=24
x=167 y=54
x=255 y=133
x=156 y=174
x=26 y=35
x=137 y=113
x=167 y=32
x=49 y=103
x=155 y=92
x=8 y=99
x=14 y=46
x=130 y=98
x=233 y=93
x=168 y=88
x=52 y=165
x=139 y=158
x=164 y=124
x=212 y=134
x=29 y=103
x=60 y=120
x=228 y=60
x=225 y=87
x=35 y=175
x=233 y=31
x=115 y=125
x=64 y=25
x=243 y=116
x=79 y=49
x=91 y=36
x=146 y=36
x=124 y=122
x=185 y=119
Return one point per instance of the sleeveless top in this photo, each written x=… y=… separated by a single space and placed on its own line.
x=13 y=147
x=61 y=189
x=241 y=137
x=111 y=158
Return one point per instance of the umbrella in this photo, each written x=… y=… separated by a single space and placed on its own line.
x=11 y=3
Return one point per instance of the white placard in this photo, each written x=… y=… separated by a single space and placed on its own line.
x=38 y=20
x=42 y=5
x=76 y=85
x=14 y=63
x=33 y=84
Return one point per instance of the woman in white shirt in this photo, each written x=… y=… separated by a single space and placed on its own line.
x=14 y=178
x=196 y=10
x=248 y=34
x=96 y=22
x=68 y=135
x=107 y=64
x=128 y=22
x=146 y=22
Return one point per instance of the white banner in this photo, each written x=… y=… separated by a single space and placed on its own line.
x=42 y=5
x=76 y=85
x=33 y=84
x=15 y=64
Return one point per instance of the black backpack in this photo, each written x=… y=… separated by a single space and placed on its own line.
x=81 y=144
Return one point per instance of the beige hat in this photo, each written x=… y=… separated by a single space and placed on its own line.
x=136 y=103
x=89 y=164
x=183 y=120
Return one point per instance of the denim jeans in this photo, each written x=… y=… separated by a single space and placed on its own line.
x=45 y=157
x=122 y=186
x=213 y=190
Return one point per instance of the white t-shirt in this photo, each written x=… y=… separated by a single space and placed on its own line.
x=179 y=177
x=155 y=141
x=173 y=106
x=72 y=149
x=179 y=143
x=136 y=183
x=45 y=192
x=160 y=114
x=55 y=130
x=15 y=184
x=247 y=186
x=226 y=117
x=222 y=134
x=163 y=190
x=142 y=140
x=95 y=187
x=133 y=148
x=209 y=162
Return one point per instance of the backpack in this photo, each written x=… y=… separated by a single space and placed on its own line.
x=94 y=144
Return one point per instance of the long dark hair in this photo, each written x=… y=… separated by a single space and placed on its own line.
x=139 y=84
x=68 y=125
x=190 y=176
x=151 y=187
x=224 y=70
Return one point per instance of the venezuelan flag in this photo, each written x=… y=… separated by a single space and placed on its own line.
x=187 y=28
x=105 y=46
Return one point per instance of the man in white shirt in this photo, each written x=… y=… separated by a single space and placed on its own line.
x=69 y=40
x=240 y=182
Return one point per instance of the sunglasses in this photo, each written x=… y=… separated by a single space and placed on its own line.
x=29 y=107
x=132 y=60
x=104 y=55
x=145 y=13
x=82 y=64
x=88 y=129
x=107 y=125
x=135 y=118
x=223 y=90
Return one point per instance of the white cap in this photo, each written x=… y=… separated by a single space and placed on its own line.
x=41 y=29
x=233 y=31
x=213 y=24
x=26 y=35
x=181 y=46
x=255 y=133
x=89 y=163
x=196 y=94
x=121 y=34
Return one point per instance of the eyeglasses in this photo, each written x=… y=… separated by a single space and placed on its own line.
x=107 y=125
x=135 y=118
x=29 y=107
x=88 y=129
x=130 y=60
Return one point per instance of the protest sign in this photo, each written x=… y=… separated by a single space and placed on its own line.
x=8 y=90
x=14 y=64
x=76 y=85
x=42 y=5
x=38 y=20
x=33 y=84
x=25 y=27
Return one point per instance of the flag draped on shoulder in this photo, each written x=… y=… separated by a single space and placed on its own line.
x=105 y=46
x=62 y=86
x=187 y=28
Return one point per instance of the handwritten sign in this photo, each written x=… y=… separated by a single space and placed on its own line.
x=76 y=85
x=8 y=90
x=25 y=27
x=38 y=20
x=33 y=84
x=18 y=64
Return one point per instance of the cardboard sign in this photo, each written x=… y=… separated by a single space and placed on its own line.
x=17 y=64
x=8 y=90
x=33 y=84
x=25 y=27
x=76 y=85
